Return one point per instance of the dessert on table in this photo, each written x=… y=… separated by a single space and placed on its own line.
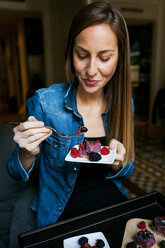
x=144 y=233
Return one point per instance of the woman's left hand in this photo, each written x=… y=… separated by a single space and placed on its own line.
x=120 y=153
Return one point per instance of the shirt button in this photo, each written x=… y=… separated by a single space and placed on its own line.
x=26 y=179
x=60 y=208
x=69 y=189
x=55 y=146
x=75 y=168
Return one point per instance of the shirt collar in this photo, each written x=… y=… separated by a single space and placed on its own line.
x=70 y=99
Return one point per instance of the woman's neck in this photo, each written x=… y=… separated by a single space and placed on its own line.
x=96 y=100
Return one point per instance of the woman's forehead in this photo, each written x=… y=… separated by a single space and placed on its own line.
x=100 y=36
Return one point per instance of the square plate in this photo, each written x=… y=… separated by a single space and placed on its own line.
x=132 y=228
x=92 y=237
x=105 y=159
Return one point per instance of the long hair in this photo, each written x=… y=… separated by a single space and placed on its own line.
x=118 y=91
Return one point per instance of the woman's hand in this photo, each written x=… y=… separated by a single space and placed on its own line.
x=120 y=153
x=28 y=135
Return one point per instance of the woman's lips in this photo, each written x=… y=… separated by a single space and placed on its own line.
x=91 y=82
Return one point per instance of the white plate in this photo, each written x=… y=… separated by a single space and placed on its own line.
x=73 y=241
x=105 y=159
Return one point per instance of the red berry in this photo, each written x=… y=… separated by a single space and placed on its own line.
x=105 y=150
x=142 y=225
x=86 y=245
x=74 y=152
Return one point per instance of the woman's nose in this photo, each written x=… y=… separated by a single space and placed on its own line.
x=92 y=68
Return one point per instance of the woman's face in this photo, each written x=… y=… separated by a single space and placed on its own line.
x=95 y=57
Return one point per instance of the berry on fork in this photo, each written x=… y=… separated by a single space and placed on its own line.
x=81 y=130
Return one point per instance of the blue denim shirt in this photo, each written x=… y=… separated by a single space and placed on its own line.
x=56 y=106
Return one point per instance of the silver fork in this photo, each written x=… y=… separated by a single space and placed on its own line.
x=84 y=129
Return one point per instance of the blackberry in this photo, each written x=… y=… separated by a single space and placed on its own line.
x=94 y=156
x=84 y=129
x=162 y=244
x=155 y=221
x=163 y=222
x=100 y=243
x=83 y=240
x=131 y=245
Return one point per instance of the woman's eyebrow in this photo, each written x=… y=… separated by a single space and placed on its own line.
x=102 y=51
x=79 y=47
x=107 y=50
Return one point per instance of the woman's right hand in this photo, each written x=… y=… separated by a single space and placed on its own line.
x=28 y=135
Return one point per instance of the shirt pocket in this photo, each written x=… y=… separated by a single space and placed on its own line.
x=56 y=149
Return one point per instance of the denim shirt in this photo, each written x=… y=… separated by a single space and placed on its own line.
x=56 y=106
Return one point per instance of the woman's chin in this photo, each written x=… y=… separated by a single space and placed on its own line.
x=91 y=89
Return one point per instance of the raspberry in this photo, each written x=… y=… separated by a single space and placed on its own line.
x=100 y=243
x=94 y=156
x=74 y=152
x=142 y=225
x=86 y=246
x=105 y=150
x=83 y=240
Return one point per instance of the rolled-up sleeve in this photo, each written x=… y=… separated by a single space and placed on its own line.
x=125 y=172
x=16 y=169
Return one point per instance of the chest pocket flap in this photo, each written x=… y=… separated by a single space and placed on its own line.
x=56 y=149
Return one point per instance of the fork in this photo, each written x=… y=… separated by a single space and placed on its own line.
x=79 y=131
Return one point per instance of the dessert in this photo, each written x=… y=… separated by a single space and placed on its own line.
x=158 y=225
x=91 y=150
x=144 y=233
x=145 y=238
x=85 y=147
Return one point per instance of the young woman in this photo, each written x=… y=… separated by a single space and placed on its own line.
x=98 y=96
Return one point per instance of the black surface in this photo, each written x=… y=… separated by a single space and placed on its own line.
x=111 y=221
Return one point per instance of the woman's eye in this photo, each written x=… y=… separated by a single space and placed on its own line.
x=82 y=56
x=104 y=59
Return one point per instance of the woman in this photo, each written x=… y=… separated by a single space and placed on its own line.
x=98 y=97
